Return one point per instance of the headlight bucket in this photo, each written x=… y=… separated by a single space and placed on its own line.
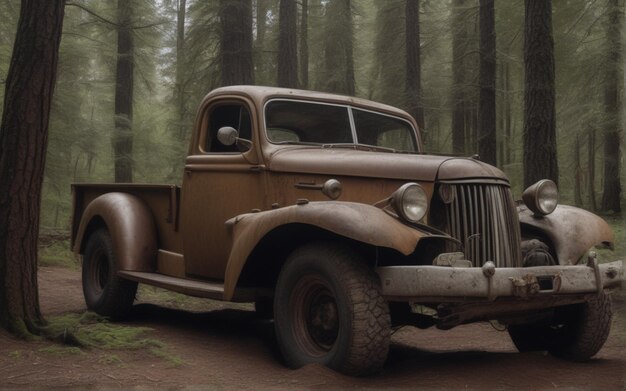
x=410 y=202
x=542 y=197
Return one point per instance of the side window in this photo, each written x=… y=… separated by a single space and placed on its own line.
x=234 y=115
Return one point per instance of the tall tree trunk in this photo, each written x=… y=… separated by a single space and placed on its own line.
x=539 y=107
x=349 y=48
x=487 y=81
x=304 y=45
x=123 y=136
x=471 y=144
x=338 y=59
x=508 y=123
x=612 y=100
x=287 y=45
x=578 y=174
x=389 y=26
x=500 y=112
x=180 y=61
x=413 y=61
x=259 y=43
x=23 y=142
x=591 y=169
x=236 y=43
x=459 y=47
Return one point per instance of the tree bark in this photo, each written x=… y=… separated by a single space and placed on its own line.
x=259 y=43
x=304 y=45
x=23 y=141
x=180 y=61
x=487 y=81
x=540 y=154
x=459 y=48
x=390 y=38
x=236 y=43
x=413 y=61
x=349 y=47
x=338 y=61
x=578 y=174
x=508 y=122
x=123 y=136
x=591 y=169
x=287 y=45
x=611 y=196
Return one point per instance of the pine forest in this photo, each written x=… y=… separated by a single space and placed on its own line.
x=534 y=87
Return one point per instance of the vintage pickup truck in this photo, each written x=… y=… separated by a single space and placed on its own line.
x=327 y=213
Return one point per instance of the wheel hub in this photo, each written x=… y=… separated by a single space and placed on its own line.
x=101 y=272
x=322 y=320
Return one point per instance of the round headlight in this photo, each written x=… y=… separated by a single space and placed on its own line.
x=542 y=197
x=410 y=202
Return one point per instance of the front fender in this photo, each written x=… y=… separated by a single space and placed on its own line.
x=572 y=231
x=360 y=222
x=131 y=226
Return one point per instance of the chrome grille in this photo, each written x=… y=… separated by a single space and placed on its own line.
x=484 y=218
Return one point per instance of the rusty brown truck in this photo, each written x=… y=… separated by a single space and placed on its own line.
x=326 y=212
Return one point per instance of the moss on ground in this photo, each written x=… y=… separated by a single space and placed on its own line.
x=79 y=332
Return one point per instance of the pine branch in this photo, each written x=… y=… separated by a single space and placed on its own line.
x=84 y=36
x=92 y=13
x=108 y=21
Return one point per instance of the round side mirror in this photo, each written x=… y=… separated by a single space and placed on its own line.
x=227 y=135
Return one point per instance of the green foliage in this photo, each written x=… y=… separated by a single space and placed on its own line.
x=57 y=253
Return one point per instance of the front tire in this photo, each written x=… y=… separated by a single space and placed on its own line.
x=582 y=329
x=105 y=292
x=328 y=309
x=575 y=332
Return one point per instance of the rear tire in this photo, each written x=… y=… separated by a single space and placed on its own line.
x=105 y=292
x=328 y=309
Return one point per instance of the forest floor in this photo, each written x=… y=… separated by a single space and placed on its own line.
x=199 y=344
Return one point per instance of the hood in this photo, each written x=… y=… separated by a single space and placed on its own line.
x=349 y=162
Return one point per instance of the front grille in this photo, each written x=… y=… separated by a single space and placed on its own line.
x=484 y=218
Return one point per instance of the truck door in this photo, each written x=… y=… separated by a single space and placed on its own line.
x=219 y=182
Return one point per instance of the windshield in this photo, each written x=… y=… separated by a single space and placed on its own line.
x=296 y=122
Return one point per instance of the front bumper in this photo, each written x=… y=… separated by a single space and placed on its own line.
x=445 y=284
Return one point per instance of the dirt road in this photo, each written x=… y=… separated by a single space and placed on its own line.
x=223 y=347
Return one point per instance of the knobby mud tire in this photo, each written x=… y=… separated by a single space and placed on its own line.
x=315 y=279
x=105 y=292
x=584 y=329
x=576 y=332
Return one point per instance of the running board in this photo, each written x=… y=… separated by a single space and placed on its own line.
x=185 y=286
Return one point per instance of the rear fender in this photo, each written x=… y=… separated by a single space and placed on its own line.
x=360 y=222
x=131 y=226
x=572 y=231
